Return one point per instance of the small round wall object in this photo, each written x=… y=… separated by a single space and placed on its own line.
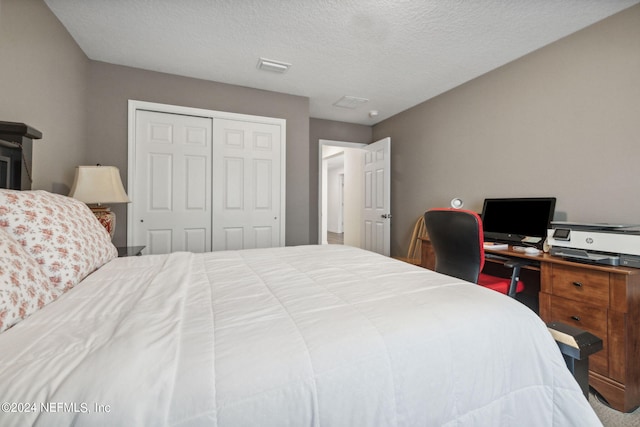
x=457 y=203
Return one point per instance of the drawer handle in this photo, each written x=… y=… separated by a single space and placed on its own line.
x=577 y=284
x=576 y=318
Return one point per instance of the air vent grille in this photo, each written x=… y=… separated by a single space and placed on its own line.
x=350 y=102
x=273 y=66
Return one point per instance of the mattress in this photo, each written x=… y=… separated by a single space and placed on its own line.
x=297 y=336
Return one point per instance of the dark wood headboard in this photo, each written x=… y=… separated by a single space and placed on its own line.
x=16 y=141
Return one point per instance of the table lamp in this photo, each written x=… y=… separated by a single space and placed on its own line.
x=97 y=185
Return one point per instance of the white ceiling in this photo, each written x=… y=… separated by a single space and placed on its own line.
x=396 y=53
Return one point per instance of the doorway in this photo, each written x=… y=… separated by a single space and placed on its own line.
x=340 y=197
x=365 y=213
x=335 y=198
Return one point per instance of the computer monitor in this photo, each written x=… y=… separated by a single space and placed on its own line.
x=519 y=221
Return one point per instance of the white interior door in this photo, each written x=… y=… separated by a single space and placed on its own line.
x=376 y=210
x=248 y=197
x=172 y=183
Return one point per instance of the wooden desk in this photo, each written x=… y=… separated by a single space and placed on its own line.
x=603 y=300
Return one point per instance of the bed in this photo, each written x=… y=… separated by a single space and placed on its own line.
x=297 y=336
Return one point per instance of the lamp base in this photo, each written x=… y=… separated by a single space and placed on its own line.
x=106 y=218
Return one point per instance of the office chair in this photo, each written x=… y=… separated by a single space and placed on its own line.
x=457 y=239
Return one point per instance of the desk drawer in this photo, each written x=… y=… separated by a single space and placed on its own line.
x=580 y=284
x=589 y=318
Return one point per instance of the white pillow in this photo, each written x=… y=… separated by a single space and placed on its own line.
x=61 y=233
x=24 y=288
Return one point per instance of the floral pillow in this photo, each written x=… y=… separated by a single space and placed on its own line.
x=60 y=232
x=24 y=288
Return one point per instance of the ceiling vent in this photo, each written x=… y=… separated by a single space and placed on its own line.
x=350 y=102
x=273 y=66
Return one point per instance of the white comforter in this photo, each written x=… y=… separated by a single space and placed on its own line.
x=299 y=336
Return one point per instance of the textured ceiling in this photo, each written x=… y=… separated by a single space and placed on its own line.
x=396 y=53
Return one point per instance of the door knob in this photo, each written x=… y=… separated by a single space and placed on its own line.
x=386 y=216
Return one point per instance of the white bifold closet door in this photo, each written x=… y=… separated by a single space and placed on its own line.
x=205 y=183
x=247 y=194
x=172 y=194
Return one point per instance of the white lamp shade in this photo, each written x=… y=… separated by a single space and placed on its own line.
x=98 y=185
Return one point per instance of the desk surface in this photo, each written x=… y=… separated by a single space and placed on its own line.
x=547 y=258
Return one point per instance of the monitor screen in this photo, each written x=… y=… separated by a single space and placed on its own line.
x=515 y=220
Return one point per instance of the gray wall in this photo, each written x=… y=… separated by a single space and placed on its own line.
x=335 y=131
x=563 y=121
x=43 y=80
x=111 y=86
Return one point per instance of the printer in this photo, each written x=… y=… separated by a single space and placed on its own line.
x=608 y=244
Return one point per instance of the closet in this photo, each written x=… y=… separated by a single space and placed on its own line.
x=203 y=180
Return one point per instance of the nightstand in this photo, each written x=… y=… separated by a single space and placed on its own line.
x=125 y=251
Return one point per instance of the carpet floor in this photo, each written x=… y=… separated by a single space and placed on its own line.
x=611 y=417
